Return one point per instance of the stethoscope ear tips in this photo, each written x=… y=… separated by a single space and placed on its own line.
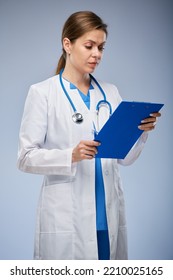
x=77 y=118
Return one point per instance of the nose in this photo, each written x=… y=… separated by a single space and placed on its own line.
x=96 y=52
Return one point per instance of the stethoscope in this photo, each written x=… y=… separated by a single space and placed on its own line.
x=77 y=117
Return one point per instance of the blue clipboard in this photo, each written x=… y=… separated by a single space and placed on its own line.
x=121 y=132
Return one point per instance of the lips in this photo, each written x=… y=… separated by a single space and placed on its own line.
x=93 y=64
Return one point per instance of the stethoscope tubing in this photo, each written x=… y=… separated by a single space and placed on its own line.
x=77 y=117
x=66 y=93
x=104 y=97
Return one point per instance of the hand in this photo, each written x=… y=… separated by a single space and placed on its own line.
x=85 y=150
x=149 y=123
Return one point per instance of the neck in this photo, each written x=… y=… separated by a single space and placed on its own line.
x=76 y=78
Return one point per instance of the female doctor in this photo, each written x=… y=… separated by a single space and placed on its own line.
x=81 y=213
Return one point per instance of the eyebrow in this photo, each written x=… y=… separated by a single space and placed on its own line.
x=91 y=41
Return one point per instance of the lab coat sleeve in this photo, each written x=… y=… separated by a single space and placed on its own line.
x=32 y=156
x=135 y=151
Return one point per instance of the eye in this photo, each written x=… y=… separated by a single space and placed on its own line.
x=101 y=48
x=88 y=47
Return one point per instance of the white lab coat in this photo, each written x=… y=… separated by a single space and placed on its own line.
x=66 y=219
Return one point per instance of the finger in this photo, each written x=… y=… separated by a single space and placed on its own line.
x=90 y=150
x=149 y=120
x=156 y=114
x=90 y=143
x=147 y=126
x=89 y=147
x=85 y=154
x=79 y=155
x=83 y=146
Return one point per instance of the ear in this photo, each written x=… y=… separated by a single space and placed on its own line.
x=67 y=45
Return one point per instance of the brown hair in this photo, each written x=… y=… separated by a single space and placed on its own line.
x=77 y=25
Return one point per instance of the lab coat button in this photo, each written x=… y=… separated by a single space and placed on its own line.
x=106 y=172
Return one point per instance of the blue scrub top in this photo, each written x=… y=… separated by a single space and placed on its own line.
x=101 y=219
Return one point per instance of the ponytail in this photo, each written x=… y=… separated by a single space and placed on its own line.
x=61 y=63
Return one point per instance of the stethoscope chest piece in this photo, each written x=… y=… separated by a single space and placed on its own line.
x=77 y=118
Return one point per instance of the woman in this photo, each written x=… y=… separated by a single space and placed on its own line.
x=81 y=211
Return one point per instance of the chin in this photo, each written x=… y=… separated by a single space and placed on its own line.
x=88 y=70
x=91 y=70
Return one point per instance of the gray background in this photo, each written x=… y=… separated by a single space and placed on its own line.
x=138 y=59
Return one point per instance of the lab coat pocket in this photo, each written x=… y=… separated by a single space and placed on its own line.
x=56 y=246
x=56 y=208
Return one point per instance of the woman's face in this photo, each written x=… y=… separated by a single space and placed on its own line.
x=86 y=52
